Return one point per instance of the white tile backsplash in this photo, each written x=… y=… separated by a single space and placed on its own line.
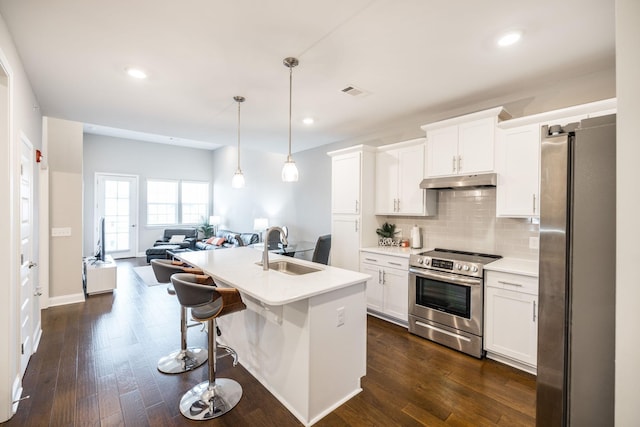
x=466 y=220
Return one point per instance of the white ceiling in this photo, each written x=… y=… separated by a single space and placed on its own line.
x=409 y=55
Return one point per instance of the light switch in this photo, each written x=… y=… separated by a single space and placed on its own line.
x=61 y=232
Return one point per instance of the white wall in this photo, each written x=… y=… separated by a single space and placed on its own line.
x=64 y=141
x=22 y=117
x=104 y=154
x=628 y=206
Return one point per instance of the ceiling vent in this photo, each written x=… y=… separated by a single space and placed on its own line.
x=354 y=91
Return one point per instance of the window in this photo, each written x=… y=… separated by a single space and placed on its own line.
x=194 y=202
x=162 y=202
x=177 y=202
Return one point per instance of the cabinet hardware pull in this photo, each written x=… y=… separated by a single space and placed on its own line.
x=395 y=263
x=384 y=280
x=510 y=283
x=459 y=164
x=394 y=205
x=356 y=222
x=534 y=311
x=356 y=206
x=371 y=259
x=379 y=277
x=398 y=206
x=534 y=203
x=453 y=166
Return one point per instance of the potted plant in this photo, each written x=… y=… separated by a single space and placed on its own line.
x=386 y=233
x=205 y=228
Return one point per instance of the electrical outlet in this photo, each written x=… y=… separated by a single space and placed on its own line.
x=534 y=242
x=340 y=316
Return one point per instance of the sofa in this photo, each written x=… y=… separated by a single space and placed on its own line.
x=227 y=239
x=187 y=242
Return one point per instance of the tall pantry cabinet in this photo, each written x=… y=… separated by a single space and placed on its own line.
x=353 y=222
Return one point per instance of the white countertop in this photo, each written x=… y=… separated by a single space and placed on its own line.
x=393 y=250
x=237 y=267
x=524 y=267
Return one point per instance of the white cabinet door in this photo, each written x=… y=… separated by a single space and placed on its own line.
x=345 y=241
x=476 y=146
x=518 y=165
x=411 y=198
x=374 y=286
x=345 y=183
x=396 y=292
x=442 y=151
x=511 y=324
x=386 y=182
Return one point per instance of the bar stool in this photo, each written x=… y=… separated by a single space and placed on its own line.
x=216 y=396
x=187 y=358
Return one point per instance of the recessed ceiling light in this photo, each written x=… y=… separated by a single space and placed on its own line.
x=136 y=73
x=308 y=120
x=509 y=38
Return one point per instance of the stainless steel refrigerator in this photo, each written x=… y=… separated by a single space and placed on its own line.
x=576 y=329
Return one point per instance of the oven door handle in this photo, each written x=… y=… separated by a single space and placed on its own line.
x=446 y=277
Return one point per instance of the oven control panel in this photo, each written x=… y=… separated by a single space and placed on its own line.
x=451 y=266
x=443 y=264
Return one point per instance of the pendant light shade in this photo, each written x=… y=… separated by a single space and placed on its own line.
x=238 y=178
x=290 y=171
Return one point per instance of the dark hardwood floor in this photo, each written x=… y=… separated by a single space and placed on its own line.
x=96 y=366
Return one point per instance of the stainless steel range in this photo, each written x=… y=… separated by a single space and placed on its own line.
x=446 y=298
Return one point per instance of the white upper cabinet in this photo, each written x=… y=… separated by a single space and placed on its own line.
x=518 y=155
x=463 y=145
x=399 y=170
x=346 y=181
x=518 y=166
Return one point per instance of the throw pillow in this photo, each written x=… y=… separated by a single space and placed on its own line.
x=177 y=238
x=218 y=241
x=210 y=240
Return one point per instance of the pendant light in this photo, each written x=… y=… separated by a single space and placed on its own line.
x=290 y=171
x=238 y=178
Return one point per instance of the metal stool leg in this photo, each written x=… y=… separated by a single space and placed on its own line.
x=185 y=359
x=212 y=398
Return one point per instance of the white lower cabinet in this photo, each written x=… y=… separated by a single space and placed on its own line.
x=511 y=319
x=388 y=288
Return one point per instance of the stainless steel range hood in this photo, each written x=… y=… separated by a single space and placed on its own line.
x=460 y=182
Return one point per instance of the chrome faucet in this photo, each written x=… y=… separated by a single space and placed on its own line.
x=265 y=253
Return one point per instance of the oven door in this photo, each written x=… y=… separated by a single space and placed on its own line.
x=448 y=299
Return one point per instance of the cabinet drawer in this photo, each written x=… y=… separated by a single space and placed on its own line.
x=513 y=282
x=384 y=260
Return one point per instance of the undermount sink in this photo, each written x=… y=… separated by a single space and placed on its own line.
x=290 y=268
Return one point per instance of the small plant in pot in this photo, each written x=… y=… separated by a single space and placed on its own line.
x=205 y=228
x=385 y=234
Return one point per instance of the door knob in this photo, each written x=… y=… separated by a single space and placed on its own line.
x=32 y=264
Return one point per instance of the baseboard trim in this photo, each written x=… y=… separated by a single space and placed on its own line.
x=16 y=393
x=66 y=299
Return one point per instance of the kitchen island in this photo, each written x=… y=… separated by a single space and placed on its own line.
x=302 y=336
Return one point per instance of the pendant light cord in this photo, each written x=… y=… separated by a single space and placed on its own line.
x=239 y=135
x=290 y=100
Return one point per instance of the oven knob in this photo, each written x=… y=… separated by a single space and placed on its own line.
x=459 y=267
x=474 y=269
x=420 y=260
x=465 y=267
x=427 y=261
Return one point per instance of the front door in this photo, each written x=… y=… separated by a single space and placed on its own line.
x=28 y=302
x=117 y=202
